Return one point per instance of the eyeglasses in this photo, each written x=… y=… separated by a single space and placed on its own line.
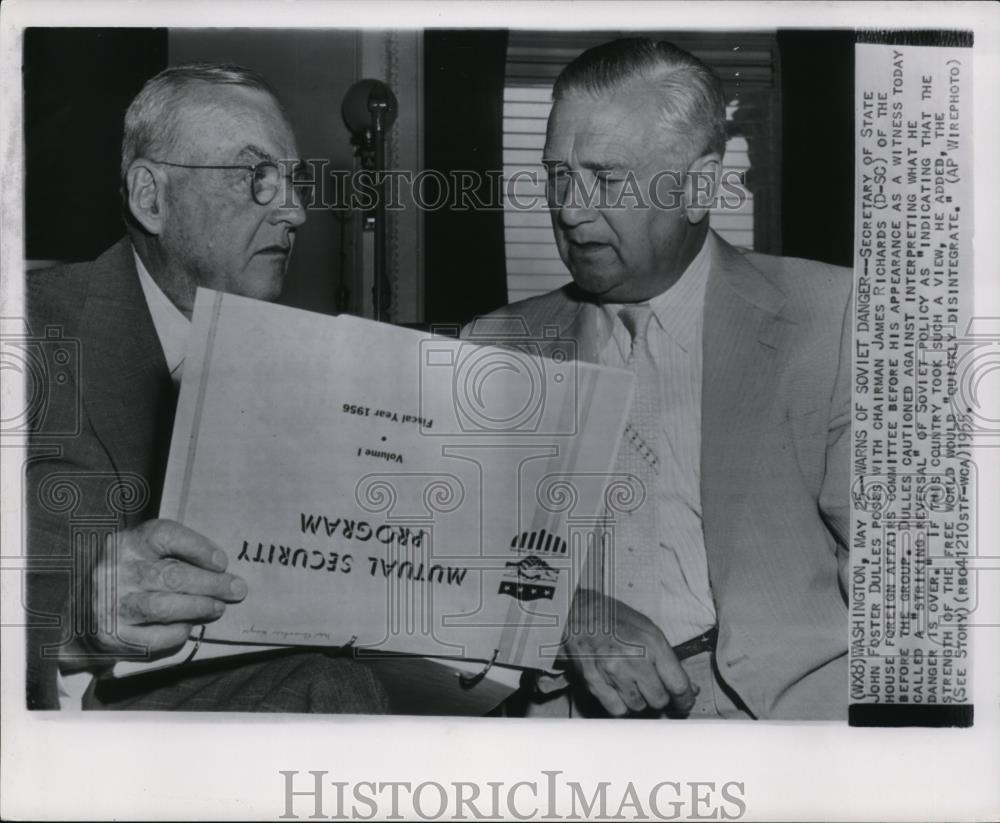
x=265 y=178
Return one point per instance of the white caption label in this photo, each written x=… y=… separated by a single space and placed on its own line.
x=909 y=589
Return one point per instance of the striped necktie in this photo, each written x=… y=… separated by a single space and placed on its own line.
x=636 y=545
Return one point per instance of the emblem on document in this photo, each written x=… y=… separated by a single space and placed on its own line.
x=531 y=578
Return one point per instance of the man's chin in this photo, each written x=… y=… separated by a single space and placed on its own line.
x=264 y=278
x=601 y=285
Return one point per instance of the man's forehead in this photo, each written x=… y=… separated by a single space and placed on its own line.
x=237 y=120
x=599 y=126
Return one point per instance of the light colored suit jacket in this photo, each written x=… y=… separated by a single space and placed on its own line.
x=776 y=415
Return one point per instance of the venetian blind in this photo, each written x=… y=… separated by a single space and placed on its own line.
x=746 y=63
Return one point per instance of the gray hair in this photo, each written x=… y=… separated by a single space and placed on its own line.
x=151 y=119
x=690 y=97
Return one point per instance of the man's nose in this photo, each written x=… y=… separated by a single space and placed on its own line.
x=292 y=213
x=574 y=215
x=572 y=204
x=289 y=208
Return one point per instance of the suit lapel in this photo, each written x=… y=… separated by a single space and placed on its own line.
x=127 y=391
x=742 y=337
x=743 y=332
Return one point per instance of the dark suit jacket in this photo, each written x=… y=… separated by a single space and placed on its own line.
x=775 y=444
x=99 y=453
x=99 y=441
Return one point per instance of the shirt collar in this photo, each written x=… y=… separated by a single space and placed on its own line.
x=677 y=311
x=172 y=327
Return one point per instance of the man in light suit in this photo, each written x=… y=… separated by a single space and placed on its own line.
x=208 y=202
x=729 y=601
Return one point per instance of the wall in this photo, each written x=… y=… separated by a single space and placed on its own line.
x=77 y=85
x=817 y=99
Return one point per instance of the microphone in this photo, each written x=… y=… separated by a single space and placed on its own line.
x=369 y=110
x=362 y=105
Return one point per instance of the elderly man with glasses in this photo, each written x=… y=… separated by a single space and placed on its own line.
x=207 y=158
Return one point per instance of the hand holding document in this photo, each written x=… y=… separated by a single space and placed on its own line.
x=402 y=492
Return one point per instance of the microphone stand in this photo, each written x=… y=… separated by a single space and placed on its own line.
x=380 y=288
x=369 y=110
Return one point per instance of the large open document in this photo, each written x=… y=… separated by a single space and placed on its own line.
x=403 y=492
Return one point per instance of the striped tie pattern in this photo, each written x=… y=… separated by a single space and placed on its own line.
x=635 y=546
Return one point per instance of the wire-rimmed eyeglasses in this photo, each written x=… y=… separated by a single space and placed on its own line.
x=265 y=177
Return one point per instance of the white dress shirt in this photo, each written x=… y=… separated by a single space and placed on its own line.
x=172 y=330
x=682 y=605
x=172 y=327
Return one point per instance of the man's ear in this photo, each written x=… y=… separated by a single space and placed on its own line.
x=146 y=187
x=700 y=186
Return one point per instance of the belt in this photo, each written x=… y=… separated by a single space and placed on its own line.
x=702 y=643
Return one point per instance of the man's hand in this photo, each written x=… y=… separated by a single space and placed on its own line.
x=153 y=583
x=623 y=658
